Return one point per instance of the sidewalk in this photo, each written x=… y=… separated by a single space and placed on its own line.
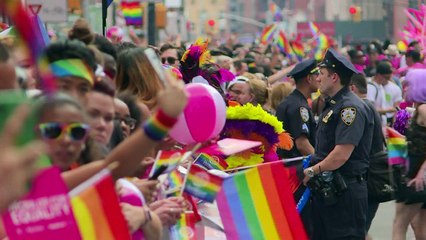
x=381 y=229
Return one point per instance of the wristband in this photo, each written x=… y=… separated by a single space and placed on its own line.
x=157 y=126
x=148 y=217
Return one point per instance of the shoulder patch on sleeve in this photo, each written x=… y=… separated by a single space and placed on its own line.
x=348 y=115
x=304 y=113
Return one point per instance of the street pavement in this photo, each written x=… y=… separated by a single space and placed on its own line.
x=381 y=229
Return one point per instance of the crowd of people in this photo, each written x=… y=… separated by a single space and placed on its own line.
x=111 y=106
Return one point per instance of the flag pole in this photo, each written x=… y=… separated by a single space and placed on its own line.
x=104 y=15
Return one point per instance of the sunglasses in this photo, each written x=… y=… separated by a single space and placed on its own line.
x=169 y=60
x=131 y=122
x=77 y=132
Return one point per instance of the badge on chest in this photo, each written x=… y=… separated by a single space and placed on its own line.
x=327 y=116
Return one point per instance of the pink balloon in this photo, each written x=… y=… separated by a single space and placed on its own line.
x=203 y=117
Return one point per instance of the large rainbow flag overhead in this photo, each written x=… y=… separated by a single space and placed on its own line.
x=97 y=211
x=258 y=204
x=132 y=12
x=397 y=147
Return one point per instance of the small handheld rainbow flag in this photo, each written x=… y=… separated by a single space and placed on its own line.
x=283 y=43
x=211 y=162
x=397 y=147
x=171 y=159
x=298 y=49
x=132 y=12
x=258 y=204
x=175 y=183
x=268 y=33
x=202 y=184
x=96 y=209
x=184 y=229
x=314 y=28
x=276 y=12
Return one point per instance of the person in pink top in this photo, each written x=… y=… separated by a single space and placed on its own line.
x=357 y=58
x=414 y=61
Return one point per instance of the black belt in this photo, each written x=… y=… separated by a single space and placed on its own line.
x=355 y=179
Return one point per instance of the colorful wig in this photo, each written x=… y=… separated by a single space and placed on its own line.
x=196 y=61
x=253 y=123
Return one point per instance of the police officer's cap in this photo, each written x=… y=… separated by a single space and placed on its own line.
x=334 y=60
x=304 y=68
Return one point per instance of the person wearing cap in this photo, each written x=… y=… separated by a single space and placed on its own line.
x=340 y=162
x=393 y=93
x=296 y=115
x=383 y=97
x=358 y=59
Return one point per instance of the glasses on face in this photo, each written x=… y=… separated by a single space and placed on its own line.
x=131 y=122
x=169 y=60
x=77 y=132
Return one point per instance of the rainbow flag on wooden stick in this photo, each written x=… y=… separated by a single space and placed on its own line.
x=397 y=147
x=171 y=159
x=96 y=209
x=258 y=204
x=211 y=162
x=268 y=34
x=202 y=184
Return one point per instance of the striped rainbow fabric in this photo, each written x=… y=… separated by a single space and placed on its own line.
x=268 y=34
x=132 y=12
x=258 y=204
x=202 y=184
x=171 y=159
x=97 y=210
x=211 y=162
x=283 y=43
x=397 y=147
x=184 y=229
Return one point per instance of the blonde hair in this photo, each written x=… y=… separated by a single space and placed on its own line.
x=279 y=92
x=260 y=91
x=136 y=75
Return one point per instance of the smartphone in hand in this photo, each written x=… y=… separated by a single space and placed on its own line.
x=156 y=64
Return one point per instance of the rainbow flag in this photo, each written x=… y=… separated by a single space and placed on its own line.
x=211 y=162
x=202 y=184
x=132 y=12
x=258 y=204
x=283 y=43
x=268 y=33
x=276 y=12
x=34 y=35
x=184 y=229
x=96 y=209
x=314 y=29
x=298 y=49
x=171 y=159
x=175 y=183
x=397 y=147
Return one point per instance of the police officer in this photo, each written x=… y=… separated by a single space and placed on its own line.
x=298 y=120
x=295 y=113
x=343 y=143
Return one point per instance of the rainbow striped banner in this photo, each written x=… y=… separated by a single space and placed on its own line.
x=258 y=204
x=211 y=162
x=96 y=209
x=202 y=184
x=268 y=34
x=298 y=49
x=276 y=12
x=314 y=28
x=397 y=148
x=132 y=12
